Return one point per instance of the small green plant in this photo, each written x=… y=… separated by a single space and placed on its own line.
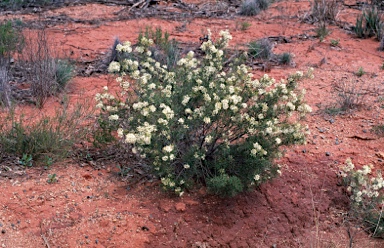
x=253 y=7
x=48 y=161
x=203 y=122
x=360 y=72
x=382 y=66
x=52 y=178
x=335 y=43
x=322 y=31
x=26 y=160
x=285 y=59
x=64 y=73
x=260 y=49
x=366 y=196
x=245 y=26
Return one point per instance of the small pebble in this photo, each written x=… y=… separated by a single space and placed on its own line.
x=328 y=154
x=365 y=131
x=304 y=151
x=331 y=121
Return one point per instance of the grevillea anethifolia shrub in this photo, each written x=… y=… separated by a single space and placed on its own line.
x=366 y=195
x=203 y=122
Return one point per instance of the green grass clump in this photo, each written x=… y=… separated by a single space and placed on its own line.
x=285 y=58
x=64 y=73
x=44 y=141
x=369 y=24
x=260 y=49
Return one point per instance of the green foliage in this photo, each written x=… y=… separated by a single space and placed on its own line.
x=52 y=178
x=369 y=24
x=45 y=140
x=335 y=43
x=260 y=49
x=366 y=196
x=322 y=31
x=253 y=7
x=359 y=27
x=225 y=186
x=285 y=58
x=203 y=122
x=360 y=72
x=11 y=39
x=26 y=160
x=64 y=73
x=244 y=26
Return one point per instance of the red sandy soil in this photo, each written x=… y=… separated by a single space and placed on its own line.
x=305 y=207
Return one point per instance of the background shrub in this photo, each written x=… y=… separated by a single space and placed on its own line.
x=11 y=41
x=47 y=74
x=253 y=7
x=202 y=122
x=324 y=11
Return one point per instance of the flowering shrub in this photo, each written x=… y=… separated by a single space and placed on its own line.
x=366 y=194
x=201 y=121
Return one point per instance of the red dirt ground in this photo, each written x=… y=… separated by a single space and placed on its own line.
x=304 y=207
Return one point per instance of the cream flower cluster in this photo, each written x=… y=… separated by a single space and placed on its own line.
x=364 y=187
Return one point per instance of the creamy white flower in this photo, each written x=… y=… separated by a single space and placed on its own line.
x=130 y=138
x=114 y=67
x=113 y=117
x=208 y=139
x=168 y=148
x=185 y=100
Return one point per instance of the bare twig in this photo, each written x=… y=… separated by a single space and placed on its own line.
x=45 y=241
